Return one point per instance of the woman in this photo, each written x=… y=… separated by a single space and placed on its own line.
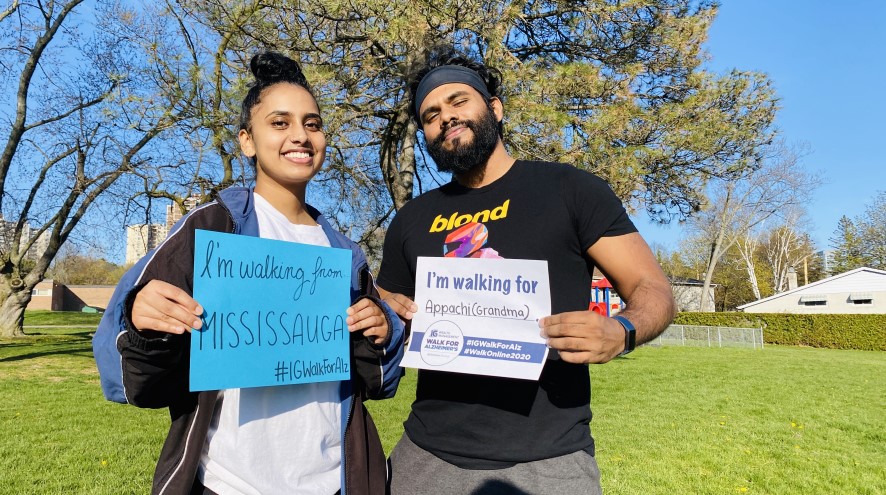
x=319 y=437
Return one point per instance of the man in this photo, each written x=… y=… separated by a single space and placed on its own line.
x=469 y=434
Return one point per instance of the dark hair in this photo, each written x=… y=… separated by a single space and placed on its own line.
x=270 y=68
x=449 y=56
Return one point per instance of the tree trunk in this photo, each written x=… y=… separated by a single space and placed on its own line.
x=709 y=275
x=398 y=163
x=747 y=250
x=12 y=310
x=402 y=192
x=752 y=278
x=706 y=288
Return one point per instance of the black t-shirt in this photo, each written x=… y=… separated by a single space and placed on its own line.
x=536 y=211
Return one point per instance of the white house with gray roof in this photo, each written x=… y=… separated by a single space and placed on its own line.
x=859 y=291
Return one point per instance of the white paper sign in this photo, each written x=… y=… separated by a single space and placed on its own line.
x=479 y=316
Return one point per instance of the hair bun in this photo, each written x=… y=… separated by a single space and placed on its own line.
x=269 y=68
x=272 y=67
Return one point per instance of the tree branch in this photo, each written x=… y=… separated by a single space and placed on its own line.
x=18 y=127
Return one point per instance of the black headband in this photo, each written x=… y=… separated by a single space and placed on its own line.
x=446 y=74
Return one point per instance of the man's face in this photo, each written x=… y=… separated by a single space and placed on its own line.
x=461 y=130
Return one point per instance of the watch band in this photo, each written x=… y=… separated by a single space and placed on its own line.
x=630 y=334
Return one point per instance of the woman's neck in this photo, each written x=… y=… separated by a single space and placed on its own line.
x=290 y=204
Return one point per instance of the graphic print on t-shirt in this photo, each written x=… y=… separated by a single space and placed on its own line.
x=467 y=242
x=470 y=234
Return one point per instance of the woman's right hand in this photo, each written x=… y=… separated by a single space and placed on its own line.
x=163 y=307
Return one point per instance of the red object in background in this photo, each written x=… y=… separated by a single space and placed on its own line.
x=598 y=307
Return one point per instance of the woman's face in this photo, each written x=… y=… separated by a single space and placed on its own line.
x=286 y=137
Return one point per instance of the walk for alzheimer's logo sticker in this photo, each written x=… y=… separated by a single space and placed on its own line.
x=441 y=343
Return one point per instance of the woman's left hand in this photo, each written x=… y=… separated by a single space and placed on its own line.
x=365 y=316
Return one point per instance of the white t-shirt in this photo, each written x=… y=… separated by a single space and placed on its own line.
x=284 y=439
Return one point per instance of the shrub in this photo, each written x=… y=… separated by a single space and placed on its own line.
x=862 y=332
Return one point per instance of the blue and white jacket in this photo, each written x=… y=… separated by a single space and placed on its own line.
x=150 y=369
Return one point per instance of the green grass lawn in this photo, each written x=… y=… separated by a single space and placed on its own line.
x=669 y=420
x=63 y=318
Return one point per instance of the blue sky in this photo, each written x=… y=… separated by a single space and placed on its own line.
x=828 y=64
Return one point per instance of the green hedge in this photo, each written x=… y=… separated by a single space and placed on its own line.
x=863 y=332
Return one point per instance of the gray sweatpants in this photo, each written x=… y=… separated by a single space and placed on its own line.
x=415 y=471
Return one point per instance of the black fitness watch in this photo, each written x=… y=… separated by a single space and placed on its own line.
x=630 y=334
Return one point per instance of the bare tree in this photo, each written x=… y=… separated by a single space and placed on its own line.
x=787 y=247
x=780 y=247
x=738 y=206
x=83 y=117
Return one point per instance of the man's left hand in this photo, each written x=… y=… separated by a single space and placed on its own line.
x=583 y=336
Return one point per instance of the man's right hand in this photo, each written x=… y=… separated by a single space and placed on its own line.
x=163 y=307
x=402 y=305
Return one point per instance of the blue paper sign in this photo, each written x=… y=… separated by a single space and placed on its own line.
x=274 y=312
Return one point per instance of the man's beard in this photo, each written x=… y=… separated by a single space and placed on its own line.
x=465 y=157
